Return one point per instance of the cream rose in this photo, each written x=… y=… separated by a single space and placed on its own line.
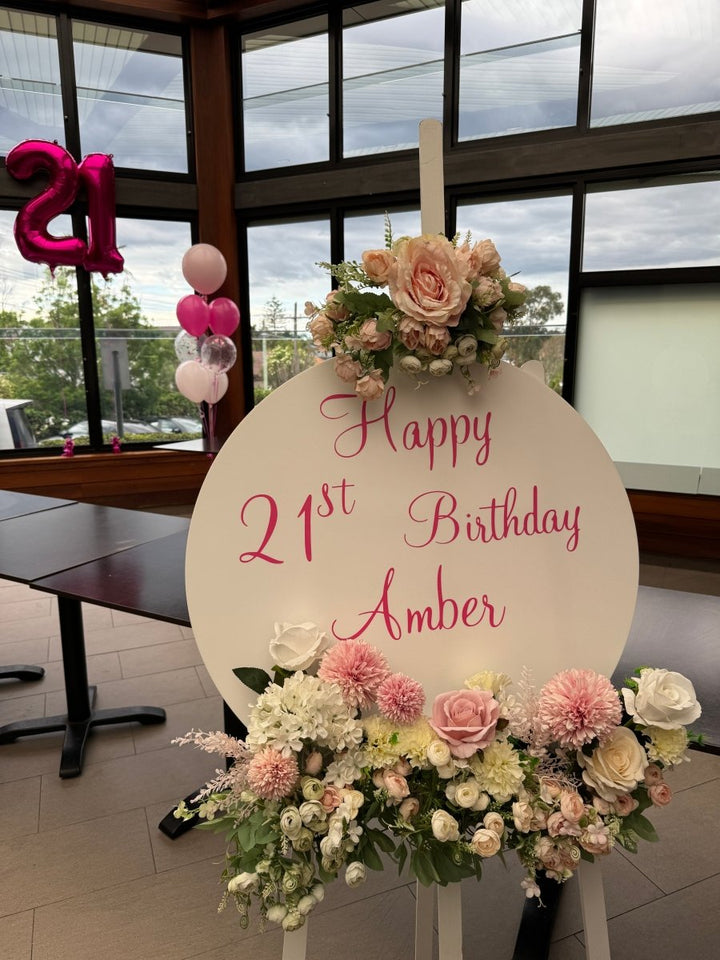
x=377 y=264
x=296 y=646
x=355 y=874
x=396 y=785
x=485 y=843
x=616 y=767
x=444 y=826
x=664 y=699
x=493 y=821
x=427 y=282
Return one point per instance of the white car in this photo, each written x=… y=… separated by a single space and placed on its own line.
x=15 y=430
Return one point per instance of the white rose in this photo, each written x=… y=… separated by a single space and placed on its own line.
x=444 y=827
x=616 y=767
x=355 y=874
x=485 y=843
x=663 y=699
x=467 y=794
x=277 y=913
x=296 y=646
x=242 y=881
x=438 y=753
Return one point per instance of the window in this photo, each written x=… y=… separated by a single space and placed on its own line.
x=366 y=231
x=519 y=66
x=654 y=59
x=283 y=274
x=392 y=73
x=131 y=96
x=285 y=95
x=30 y=98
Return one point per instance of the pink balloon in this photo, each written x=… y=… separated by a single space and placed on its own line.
x=193 y=314
x=224 y=316
x=204 y=268
x=193 y=380
x=31 y=233
x=98 y=175
x=217 y=389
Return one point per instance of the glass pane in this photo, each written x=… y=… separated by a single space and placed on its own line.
x=131 y=96
x=136 y=329
x=654 y=59
x=392 y=73
x=366 y=231
x=519 y=66
x=283 y=275
x=668 y=225
x=651 y=395
x=532 y=236
x=40 y=352
x=285 y=95
x=30 y=101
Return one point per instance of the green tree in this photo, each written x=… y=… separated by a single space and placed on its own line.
x=531 y=340
x=287 y=358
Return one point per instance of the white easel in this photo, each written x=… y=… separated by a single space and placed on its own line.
x=449 y=904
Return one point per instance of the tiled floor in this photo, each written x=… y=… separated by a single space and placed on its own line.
x=86 y=874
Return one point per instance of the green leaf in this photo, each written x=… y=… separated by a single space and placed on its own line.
x=371 y=858
x=641 y=826
x=401 y=854
x=246 y=835
x=383 y=841
x=253 y=677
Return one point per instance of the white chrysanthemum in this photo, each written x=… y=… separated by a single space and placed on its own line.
x=304 y=709
x=500 y=772
x=347 y=767
x=667 y=746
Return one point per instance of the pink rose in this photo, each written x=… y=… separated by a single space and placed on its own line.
x=377 y=264
x=371 y=338
x=484 y=258
x=410 y=332
x=371 y=386
x=465 y=720
x=330 y=799
x=313 y=763
x=624 y=804
x=558 y=826
x=497 y=317
x=336 y=311
x=427 y=282
x=487 y=292
x=396 y=785
x=653 y=774
x=409 y=808
x=571 y=806
x=321 y=328
x=346 y=368
x=402 y=766
x=660 y=794
x=436 y=340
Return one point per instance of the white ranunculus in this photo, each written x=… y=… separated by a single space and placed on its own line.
x=664 y=699
x=241 y=882
x=291 y=823
x=485 y=843
x=467 y=794
x=444 y=827
x=305 y=905
x=296 y=646
x=355 y=874
x=438 y=753
x=616 y=767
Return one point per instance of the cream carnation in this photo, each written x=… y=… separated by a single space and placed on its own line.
x=500 y=772
x=667 y=746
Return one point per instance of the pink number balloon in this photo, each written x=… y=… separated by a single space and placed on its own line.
x=193 y=314
x=224 y=316
x=98 y=175
x=31 y=233
x=193 y=380
x=204 y=268
x=218 y=388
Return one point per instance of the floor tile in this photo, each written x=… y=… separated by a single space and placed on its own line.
x=30 y=629
x=21 y=708
x=162 y=656
x=100 y=668
x=33 y=756
x=55 y=865
x=20 y=805
x=30 y=608
x=23 y=651
x=700 y=768
x=112 y=638
x=158 y=690
x=190 y=847
x=122 y=784
x=208 y=686
x=205 y=714
x=16 y=936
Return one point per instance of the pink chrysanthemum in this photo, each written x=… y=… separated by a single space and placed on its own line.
x=271 y=775
x=357 y=668
x=576 y=706
x=400 y=698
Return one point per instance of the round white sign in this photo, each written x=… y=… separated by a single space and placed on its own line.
x=457 y=533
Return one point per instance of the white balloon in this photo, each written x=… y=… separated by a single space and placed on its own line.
x=218 y=388
x=193 y=380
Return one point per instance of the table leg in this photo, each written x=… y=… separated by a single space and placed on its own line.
x=80 y=716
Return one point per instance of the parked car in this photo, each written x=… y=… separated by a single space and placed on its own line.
x=176 y=425
x=81 y=429
x=15 y=430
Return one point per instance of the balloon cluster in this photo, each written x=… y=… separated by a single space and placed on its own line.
x=205 y=357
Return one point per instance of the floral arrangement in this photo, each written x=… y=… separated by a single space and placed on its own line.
x=340 y=766
x=444 y=309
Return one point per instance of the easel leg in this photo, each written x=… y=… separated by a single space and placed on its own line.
x=295 y=944
x=424 y=913
x=592 y=902
x=450 y=922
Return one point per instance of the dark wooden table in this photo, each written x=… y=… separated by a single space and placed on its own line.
x=63 y=539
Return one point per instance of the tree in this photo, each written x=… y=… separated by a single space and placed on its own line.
x=273 y=316
x=529 y=337
x=287 y=358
